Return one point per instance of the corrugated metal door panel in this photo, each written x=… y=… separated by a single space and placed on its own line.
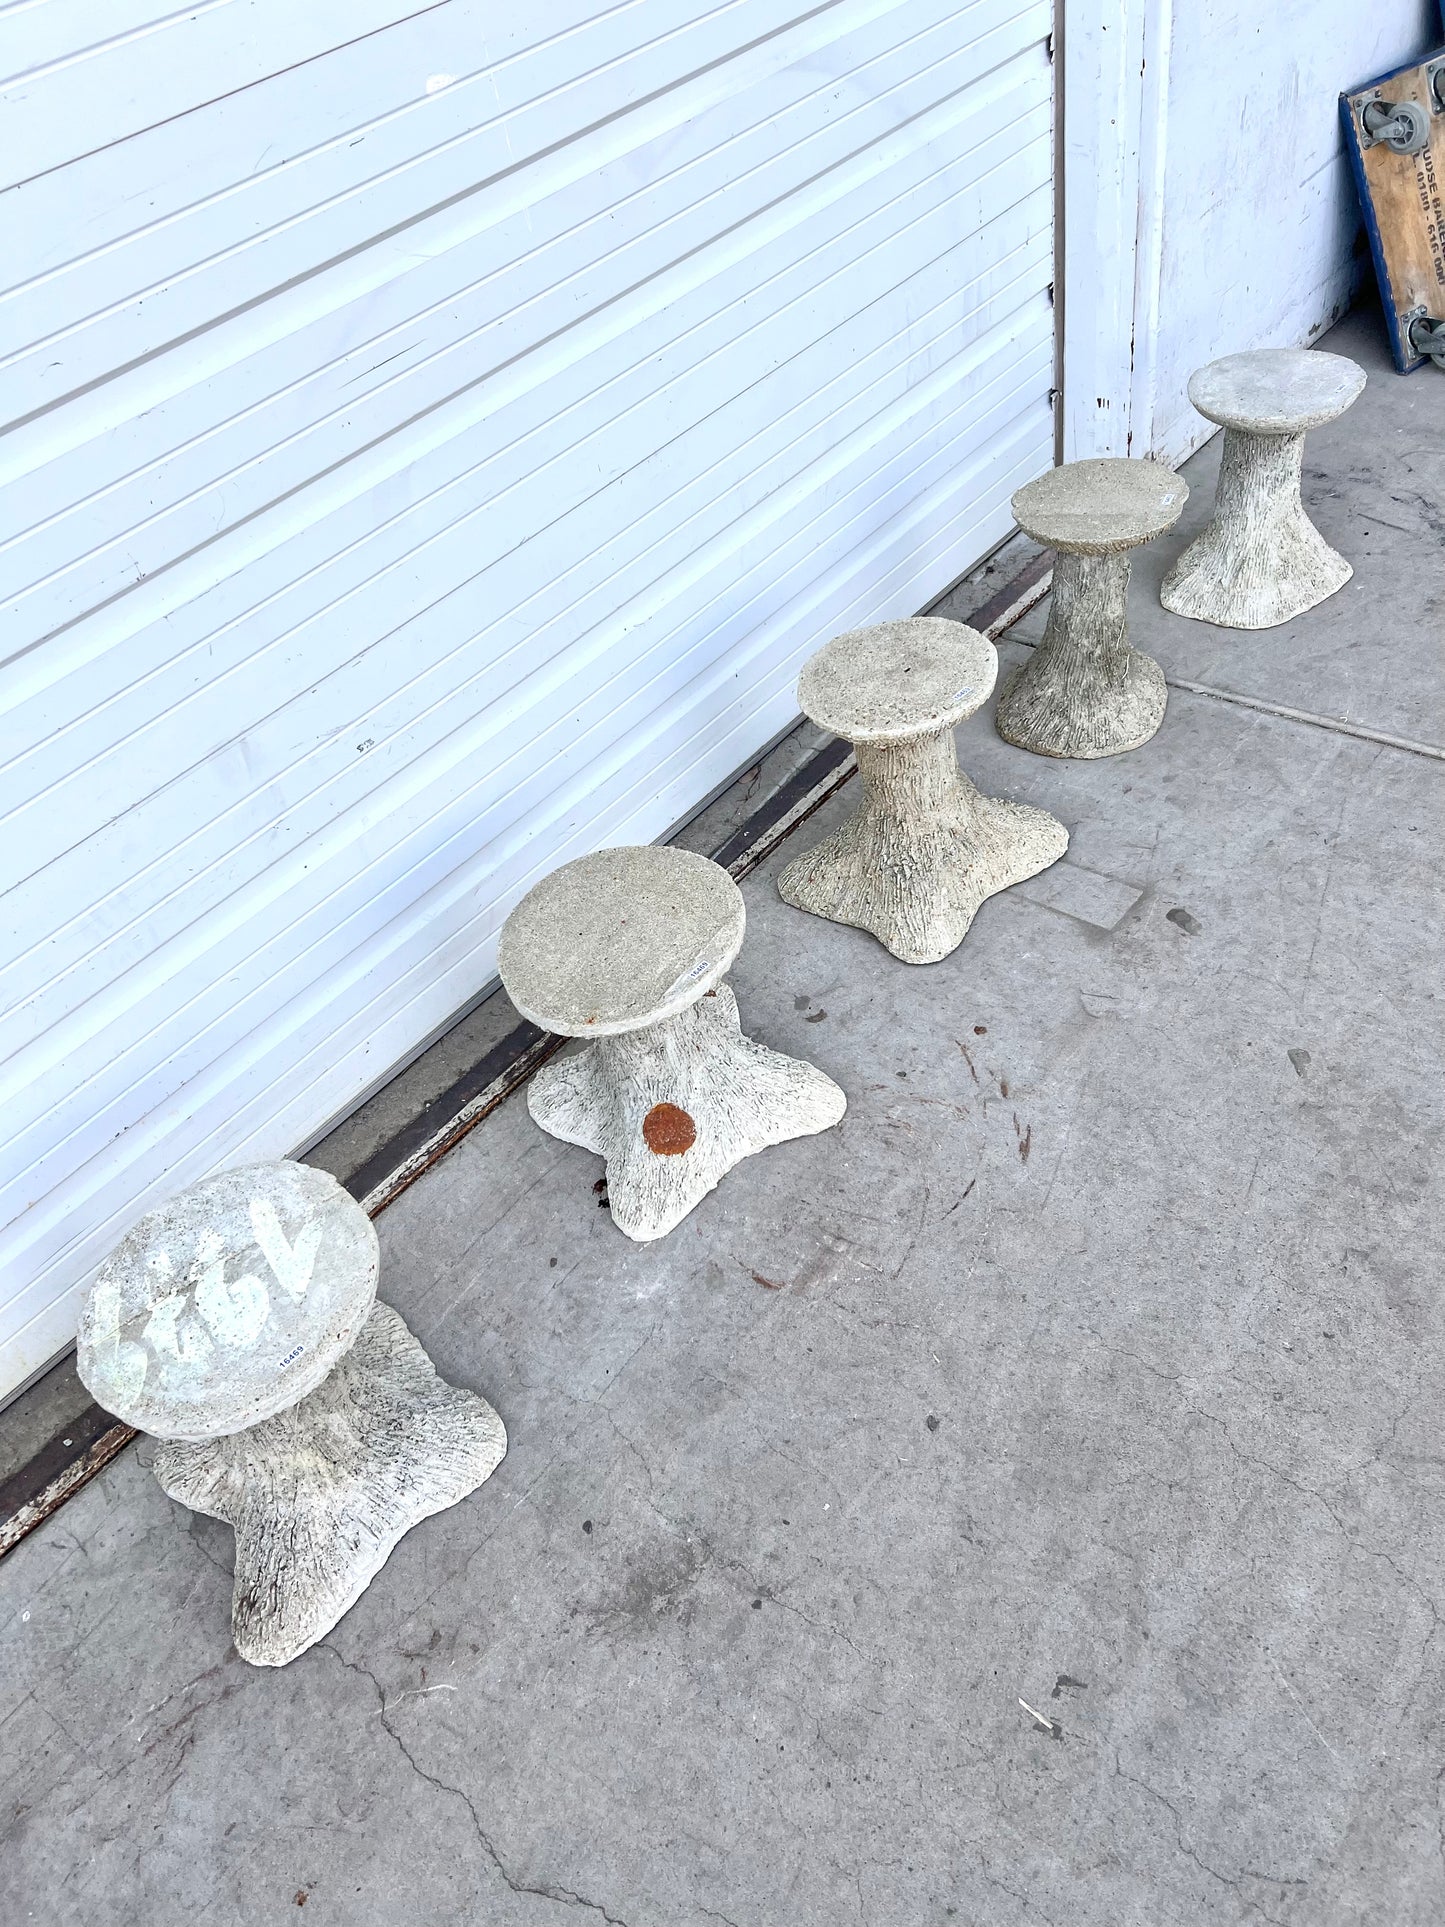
x=62 y=104
x=182 y=699
x=561 y=468
x=83 y=955
x=620 y=808
x=440 y=302
x=398 y=523
x=444 y=203
x=594 y=687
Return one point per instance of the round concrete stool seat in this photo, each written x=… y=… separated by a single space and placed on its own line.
x=620 y=939
x=898 y=680
x=629 y=947
x=1085 y=691
x=1260 y=560
x=229 y=1303
x=924 y=848
x=1276 y=391
x=239 y=1324
x=1100 y=507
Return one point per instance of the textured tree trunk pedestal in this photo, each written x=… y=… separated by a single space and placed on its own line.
x=674 y=1106
x=1084 y=691
x=922 y=852
x=1260 y=561
x=319 y=1494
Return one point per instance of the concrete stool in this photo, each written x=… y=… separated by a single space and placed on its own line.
x=923 y=849
x=239 y=1324
x=1261 y=560
x=1084 y=691
x=630 y=947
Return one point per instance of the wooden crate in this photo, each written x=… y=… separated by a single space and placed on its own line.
x=1403 y=197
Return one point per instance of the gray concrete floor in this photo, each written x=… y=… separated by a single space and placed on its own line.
x=1094 y=1361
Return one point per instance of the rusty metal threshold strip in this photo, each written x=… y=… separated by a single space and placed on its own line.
x=88 y=1444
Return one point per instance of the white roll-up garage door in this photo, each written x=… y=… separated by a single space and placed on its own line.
x=439 y=433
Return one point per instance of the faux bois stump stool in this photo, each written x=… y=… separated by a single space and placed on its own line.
x=629 y=948
x=924 y=848
x=1085 y=691
x=1261 y=560
x=239 y=1324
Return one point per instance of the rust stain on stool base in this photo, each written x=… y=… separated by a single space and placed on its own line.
x=668 y=1130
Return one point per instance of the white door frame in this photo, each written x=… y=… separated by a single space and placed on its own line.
x=1112 y=99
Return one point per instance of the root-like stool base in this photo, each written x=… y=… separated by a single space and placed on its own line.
x=1084 y=691
x=320 y=1494
x=1260 y=561
x=924 y=849
x=238 y=1324
x=628 y=947
x=674 y=1107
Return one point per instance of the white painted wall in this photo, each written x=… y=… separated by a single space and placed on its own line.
x=439 y=431
x=1228 y=219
